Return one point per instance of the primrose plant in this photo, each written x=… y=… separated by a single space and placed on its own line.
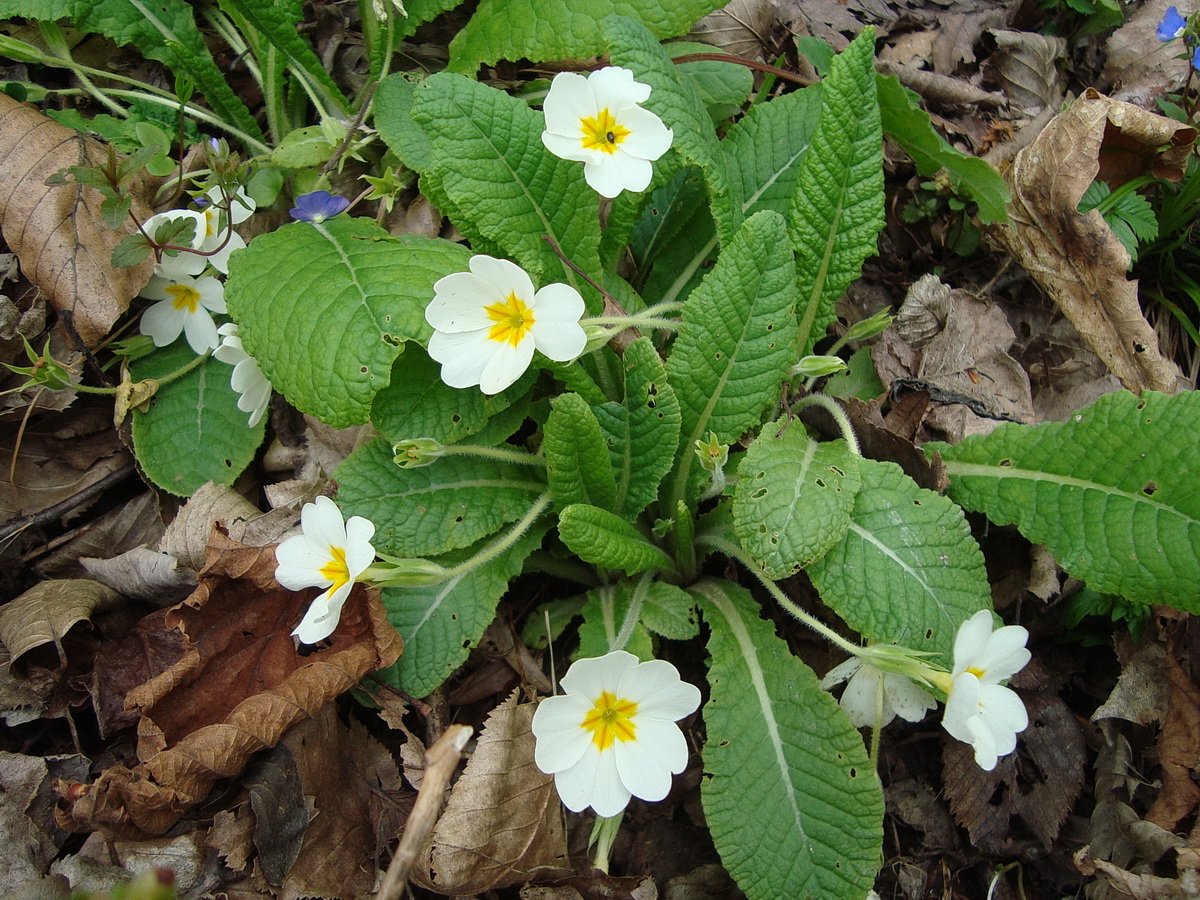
x=603 y=384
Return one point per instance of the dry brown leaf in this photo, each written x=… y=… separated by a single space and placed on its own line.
x=1142 y=67
x=240 y=685
x=146 y=652
x=1178 y=750
x=125 y=527
x=58 y=233
x=741 y=27
x=25 y=848
x=47 y=611
x=144 y=575
x=187 y=537
x=1140 y=694
x=1076 y=258
x=503 y=818
x=1027 y=68
x=1140 y=887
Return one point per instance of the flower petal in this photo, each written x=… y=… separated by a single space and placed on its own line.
x=322 y=617
x=971 y=640
x=841 y=672
x=648 y=137
x=460 y=303
x=657 y=690
x=594 y=675
x=212 y=294
x=503 y=276
x=614 y=87
x=569 y=101
x=162 y=322
x=506 y=365
x=359 y=551
x=620 y=172
x=1004 y=655
x=906 y=697
x=570 y=148
x=463 y=356
x=561 y=737
x=594 y=782
x=200 y=331
x=640 y=764
x=860 y=697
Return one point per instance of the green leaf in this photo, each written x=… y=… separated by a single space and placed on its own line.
x=577 y=465
x=722 y=86
x=166 y=30
x=417 y=403
x=837 y=210
x=642 y=432
x=324 y=308
x=905 y=122
x=302 y=148
x=677 y=103
x=277 y=21
x=560 y=29
x=605 y=539
x=919 y=545
x=793 y=498
x=736 y=341
x=193 y=431
x=603 y=615
x=670 y=611
x=393 y=117
x=1113 y=493
x=441 y=623
x=550 y=619
x=487 y=155
x=793 y=803
x=437 y=508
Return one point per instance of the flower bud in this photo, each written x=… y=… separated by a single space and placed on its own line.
x=413 y=453
x=712 y=454
x=870 y=327
x=817 y=366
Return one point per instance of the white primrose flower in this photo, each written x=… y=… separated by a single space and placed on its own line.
x=979 y=710
x=597 y=121
x=612 y=735
x=901 y=696
x=487 y=323
x=212 y=233
x=330 y=554
x=247 y=378
x=184 y=305
x=183 y=264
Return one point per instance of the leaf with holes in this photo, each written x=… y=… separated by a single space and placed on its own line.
x=793 y=802
x=1113 y=492
x=793 y=498
x=918 y=546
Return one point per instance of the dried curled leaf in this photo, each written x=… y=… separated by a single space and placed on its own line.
x=503 y=818
x=1076 y=258
x=58 y=233
x=239 y=686
x=47 y=611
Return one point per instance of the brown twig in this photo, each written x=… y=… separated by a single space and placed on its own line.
x=793 y=77
x=440 y=762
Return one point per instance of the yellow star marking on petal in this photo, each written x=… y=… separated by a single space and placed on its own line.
x=610 y=720
x=976 y=671
x=513 y=320
x=336 y=570
x=603 y=132
x=184 y=297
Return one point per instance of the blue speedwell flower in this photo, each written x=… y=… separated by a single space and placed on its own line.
x=318 y=206
x=1171 y=26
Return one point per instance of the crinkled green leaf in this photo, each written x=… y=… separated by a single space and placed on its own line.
x=486 y=152
x=417 y=403
x=605 y=539
x=560 y=29
x=793 y=804
x=193 y=431
x=165 y=30
x=577 y=465
x=276 y=22
x=1113 y=492
x=793 y=498
x=905 y=122
x=736 y=341
x=437 y=508
x=673 y=237
x=722 y=86
x=441 y=623
x=675 y=100
x=670 y=611
x=324 y=308
x=642 y=432
x=603 y=615
x=919 y=546
x=837 y=210
x=393 y=117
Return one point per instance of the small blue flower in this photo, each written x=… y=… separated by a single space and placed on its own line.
x=1196 y=59
x=318 y=206
x=1171 y=26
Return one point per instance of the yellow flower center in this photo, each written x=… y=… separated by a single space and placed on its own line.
x=976 y=671
x=513 y=320
x=603 y=132
x=184 y=297
x=335 y=570
x=610 y=720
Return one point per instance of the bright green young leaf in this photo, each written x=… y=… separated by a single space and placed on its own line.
x=736 y=341
x=487 y=154
x=907 y=570
x=276 y=21
x=577 y=465
x=437 y=508
x=678 y=104
x=905 y=122
x=441 y=623
x=603 y=617
x=193 y=431
x=1113 y=493
x=793 y=498
x=793 y=803
x=642 y=432
x=837 y=210
x=605 y=539
x=165 y=30
x=302 y=148
x=560 y=29
x=324 y=308
x=393 y=117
